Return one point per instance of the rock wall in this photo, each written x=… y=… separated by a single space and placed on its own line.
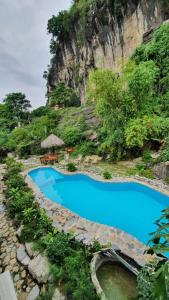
x=162 y=170
x=108 y=41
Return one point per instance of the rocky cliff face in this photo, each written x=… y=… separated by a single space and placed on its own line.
x=107 y=41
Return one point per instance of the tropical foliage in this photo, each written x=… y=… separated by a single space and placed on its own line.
x=69 y=258
x=132 y=107
x=153 y=280
x=16 y=107
x=63 y=96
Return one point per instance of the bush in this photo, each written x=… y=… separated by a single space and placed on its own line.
x=15 y=181
x=143 y=171
x=140 y=166
x=147 y=173
x=107 y=175
x=146 y=283
x=18 y=202
x=64 y=96
x=71 y=135
x=147 y=158
x=140 y=170
x=36 y=223
x=165 y=151
x=71 y=167
x=86 y=148
x=13 y=166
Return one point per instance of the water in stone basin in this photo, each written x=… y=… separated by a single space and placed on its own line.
x=131 y=207
x=116 y=282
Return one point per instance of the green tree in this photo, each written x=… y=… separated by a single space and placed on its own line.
x=59 y=25
x=7 y=122
x=17 y=106
x=147 y=128
x=136 y=134
x=113 y=105
x=72 y=135
x=63 y=96
x=40 y=112
x=141 y=85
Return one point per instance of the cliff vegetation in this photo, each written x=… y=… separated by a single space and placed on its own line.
x=127 y=113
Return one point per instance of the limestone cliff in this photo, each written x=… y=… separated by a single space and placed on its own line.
x=108 y=41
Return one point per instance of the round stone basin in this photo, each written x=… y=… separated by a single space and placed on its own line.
x=114 y=275
x=116 y=281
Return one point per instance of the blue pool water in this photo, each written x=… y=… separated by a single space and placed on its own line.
x=131 y=207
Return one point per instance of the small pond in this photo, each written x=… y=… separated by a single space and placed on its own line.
x=117 y=282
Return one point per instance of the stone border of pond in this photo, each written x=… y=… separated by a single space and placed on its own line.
x=87 y=231
x=100 y=258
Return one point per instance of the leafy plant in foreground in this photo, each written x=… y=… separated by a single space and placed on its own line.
x=153 y=281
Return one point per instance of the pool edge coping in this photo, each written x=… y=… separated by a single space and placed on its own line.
x=154 y=184
x=51 y=206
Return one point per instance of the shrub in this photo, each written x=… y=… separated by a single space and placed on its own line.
x=71 y=167
x=13 y=166
x=146 y=283
x=36 y=223
x=15 y=181
x=147 y=156
x=107 y=175
x=64 y=96
x=165 y=151
x=141 y=170
x=148 y=173
x=58 y=247
x=18 y=202
x=86 y=148
x=140 y=166
x=71 y=135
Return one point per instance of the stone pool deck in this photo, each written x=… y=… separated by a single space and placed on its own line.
x=87 y=231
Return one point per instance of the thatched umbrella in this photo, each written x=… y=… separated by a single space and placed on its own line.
x=52 y=141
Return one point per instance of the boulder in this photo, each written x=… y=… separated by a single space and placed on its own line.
x=162 y=170
x=39 y=268
x=18 y=233
x=22 y=256
x=34 y=293
x=58 y=296
x=30 y=250
x=7 y=290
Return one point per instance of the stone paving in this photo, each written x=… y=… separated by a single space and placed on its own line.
x=9 y=244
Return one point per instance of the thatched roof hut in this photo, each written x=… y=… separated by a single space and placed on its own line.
x=52 y=141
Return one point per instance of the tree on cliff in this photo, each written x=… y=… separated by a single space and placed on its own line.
x=17 y=107
x=63 y=96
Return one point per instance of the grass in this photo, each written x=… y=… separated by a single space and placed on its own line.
x=117 y=169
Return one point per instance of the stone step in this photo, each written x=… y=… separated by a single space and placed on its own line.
x=7 y=291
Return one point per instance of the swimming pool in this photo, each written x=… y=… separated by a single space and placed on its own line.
x=131 y=207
